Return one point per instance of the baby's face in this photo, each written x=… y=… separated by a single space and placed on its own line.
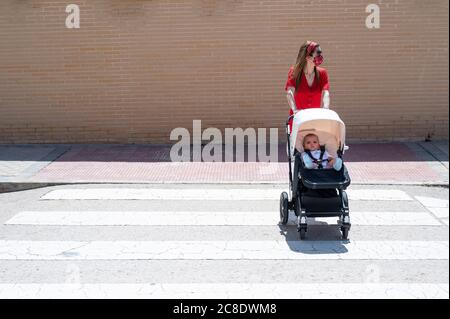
x=311 y=143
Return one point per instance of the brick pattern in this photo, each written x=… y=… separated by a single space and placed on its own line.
x=137 y=69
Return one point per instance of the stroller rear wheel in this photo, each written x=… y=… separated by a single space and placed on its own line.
x=284 y=211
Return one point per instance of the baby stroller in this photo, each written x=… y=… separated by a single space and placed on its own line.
x=316 y=192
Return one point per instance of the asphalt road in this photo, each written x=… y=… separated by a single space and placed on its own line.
x=219 y=241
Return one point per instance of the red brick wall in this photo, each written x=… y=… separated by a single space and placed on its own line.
x=136 y=69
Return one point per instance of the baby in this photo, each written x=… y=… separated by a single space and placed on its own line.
x=312 y=153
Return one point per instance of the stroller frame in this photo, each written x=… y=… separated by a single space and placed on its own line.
x=304 y=206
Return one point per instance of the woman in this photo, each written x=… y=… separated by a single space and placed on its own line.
x=307 y=85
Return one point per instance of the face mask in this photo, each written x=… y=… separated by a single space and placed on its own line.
x=318 y=60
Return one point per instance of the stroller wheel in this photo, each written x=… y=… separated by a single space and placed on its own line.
x=284 y=212
x=302 y=232
x=344 y=232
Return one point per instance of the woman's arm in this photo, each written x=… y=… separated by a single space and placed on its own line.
x=325 y=99
x=291 y=99
x=325 y=85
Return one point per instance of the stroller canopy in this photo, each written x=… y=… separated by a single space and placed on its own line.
x=324 y=123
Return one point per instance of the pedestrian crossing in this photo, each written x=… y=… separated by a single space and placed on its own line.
x=228 y=250
x=225 y=291
x=194 y=208
x=208 y=194
x=206 y=218
x=438 y=207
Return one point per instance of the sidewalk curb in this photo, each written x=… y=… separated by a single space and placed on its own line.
x=15 y=187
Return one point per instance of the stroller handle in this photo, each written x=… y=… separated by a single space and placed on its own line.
x=288 y=135
x=287 y=124
x=289 y=118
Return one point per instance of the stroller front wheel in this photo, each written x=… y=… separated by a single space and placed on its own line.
x=302 y=232
x=344 y=232
x=284 y=211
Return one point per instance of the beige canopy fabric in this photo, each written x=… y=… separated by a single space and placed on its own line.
x=326 y=124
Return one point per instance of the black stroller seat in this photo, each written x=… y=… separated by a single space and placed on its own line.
x=323 y=178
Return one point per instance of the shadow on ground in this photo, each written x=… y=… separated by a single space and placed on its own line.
x=321 y=238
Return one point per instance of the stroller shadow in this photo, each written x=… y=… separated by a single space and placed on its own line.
x=321 y=238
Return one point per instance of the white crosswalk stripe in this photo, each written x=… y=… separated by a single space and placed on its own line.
x=433 y=202
x=439 y=207
x=83 y=248
x=224 y=291
x=203 y=194
x=196 y=250
x=206 y=218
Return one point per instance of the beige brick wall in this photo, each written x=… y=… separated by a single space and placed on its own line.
x=136 y=69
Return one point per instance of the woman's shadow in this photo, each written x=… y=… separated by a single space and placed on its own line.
x=321 y=237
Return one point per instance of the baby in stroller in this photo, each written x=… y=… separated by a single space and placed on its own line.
x=318 y=178
x=316 y=156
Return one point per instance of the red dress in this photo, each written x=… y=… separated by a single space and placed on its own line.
x=308 y=97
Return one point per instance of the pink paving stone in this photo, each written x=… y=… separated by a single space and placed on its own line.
x=223 y=172
x=163 y=172
x=383 y=172
x=367 y=163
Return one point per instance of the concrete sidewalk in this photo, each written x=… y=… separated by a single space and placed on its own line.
x=26 y=166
